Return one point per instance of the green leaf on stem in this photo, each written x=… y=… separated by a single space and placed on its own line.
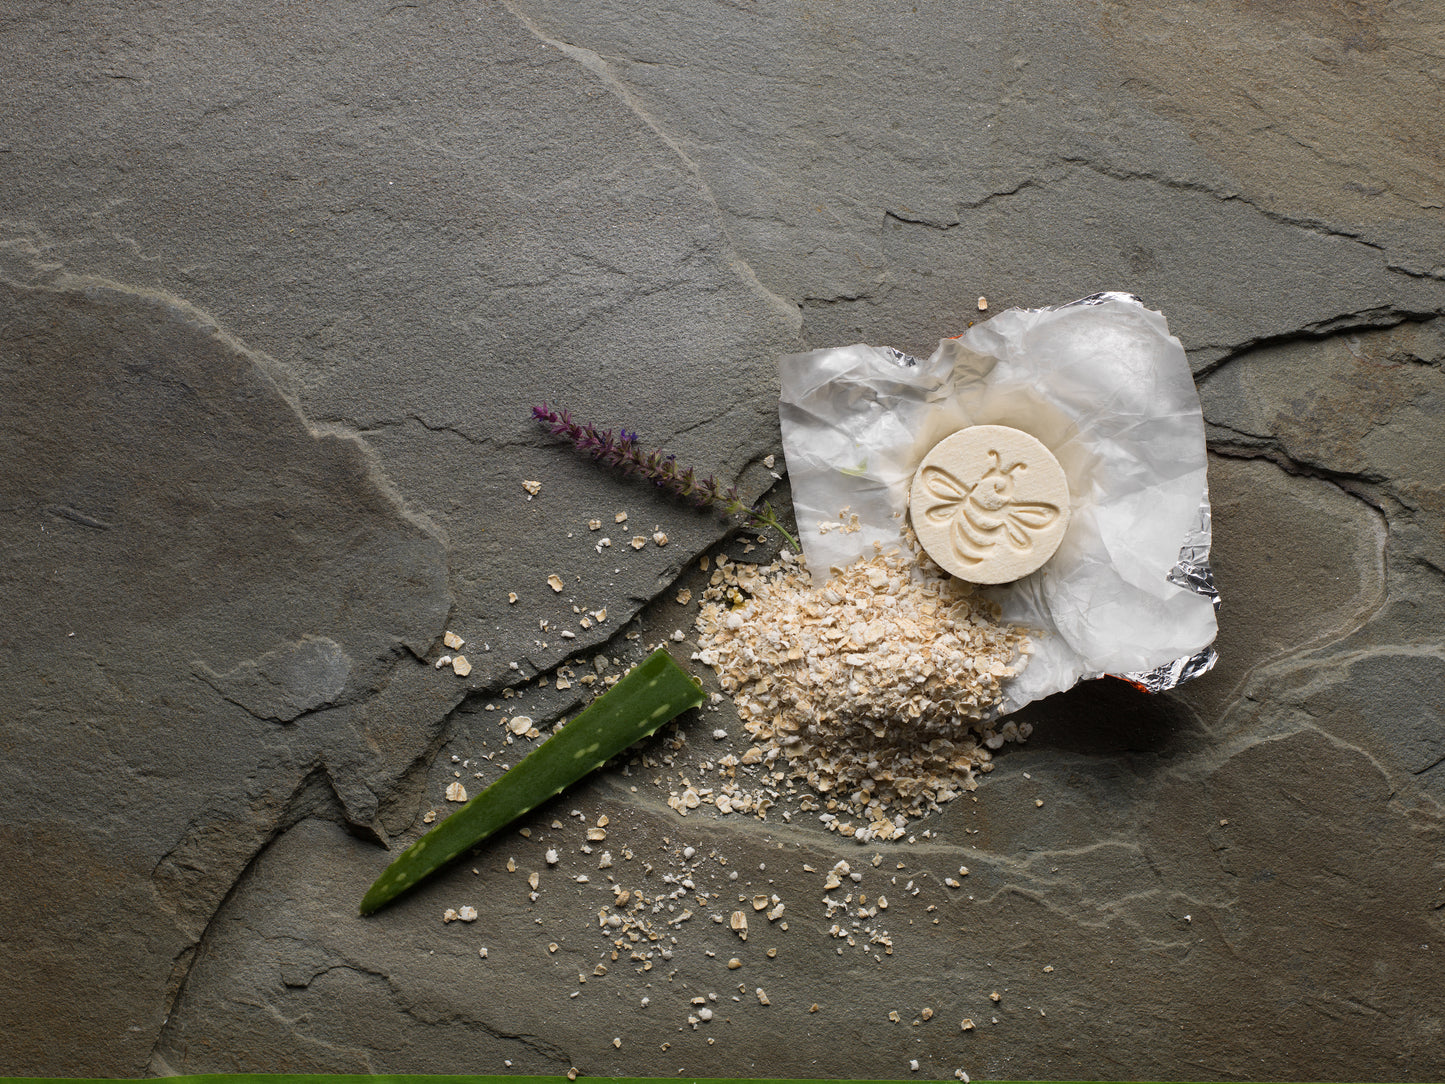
x=652 y=692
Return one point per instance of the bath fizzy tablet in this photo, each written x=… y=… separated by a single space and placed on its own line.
x=989 y=504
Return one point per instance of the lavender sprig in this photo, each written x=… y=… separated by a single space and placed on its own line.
x=624 y=452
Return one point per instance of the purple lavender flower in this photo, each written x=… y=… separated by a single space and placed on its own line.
x=624 y=452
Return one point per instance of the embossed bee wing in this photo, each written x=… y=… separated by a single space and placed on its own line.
x=946 y=490
x=1021 y=517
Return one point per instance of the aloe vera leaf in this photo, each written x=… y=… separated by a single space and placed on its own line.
x=652 y=692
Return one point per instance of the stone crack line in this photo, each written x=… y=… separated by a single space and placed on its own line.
x=598 y=65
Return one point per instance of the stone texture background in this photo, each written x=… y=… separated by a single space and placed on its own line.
x=278 y=285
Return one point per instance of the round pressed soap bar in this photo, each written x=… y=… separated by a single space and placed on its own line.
x=989 y=504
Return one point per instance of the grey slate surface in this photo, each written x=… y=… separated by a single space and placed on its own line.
x=279 y=285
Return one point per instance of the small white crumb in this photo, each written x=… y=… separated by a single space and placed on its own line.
x=982 y=304
x=456 y=792
x=620 y=517
x=450 y=915
x=967 y=1024
x=482 y=952
x=762 y=997
x=704 y=1014
x=659 y=537
x=913 y=1064
x=519 y=724
x=769 y=460
x=511 y=598
x=445 y=660
x=678 y=636
x=452 y=640
x=551 y=857
x=532 y=488
x=554 y=581
x=467 y=914
x=594 y=525
x=719 y=734
x=638 y=541
x=460 y=666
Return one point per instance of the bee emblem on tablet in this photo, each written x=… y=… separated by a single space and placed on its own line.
x=985 y=514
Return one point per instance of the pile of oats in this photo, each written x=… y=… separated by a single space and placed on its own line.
x=877 y=688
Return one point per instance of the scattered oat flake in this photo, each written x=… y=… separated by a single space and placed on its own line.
x=450 y=915
x=815 y=673
x=638 y=541
x=456 y=792
x=532 y=487
x=467 y=914
x=430 y=817
x=594 y=525
x=452 y=640
x=982 y=304
x=511 y=598
x=620 y=517
x=460 y=666
x=966 y=1025
x=769 y=460
x=534 y=879
x=554 y=581
x=684 y=597
x=660 y=538
x=519 y=724
x=762 y=997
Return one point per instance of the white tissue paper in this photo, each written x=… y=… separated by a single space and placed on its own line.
x=1104 y=385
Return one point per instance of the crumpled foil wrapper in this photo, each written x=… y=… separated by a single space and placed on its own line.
x=1106 y=387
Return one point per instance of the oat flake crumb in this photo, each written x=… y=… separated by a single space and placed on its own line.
x=532 y=487
x=460 y=666
x=452 y=640
x=456 y=792
x=554 y=581
x=877 y=687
